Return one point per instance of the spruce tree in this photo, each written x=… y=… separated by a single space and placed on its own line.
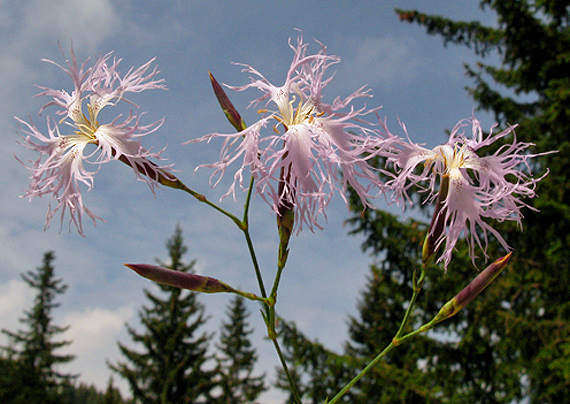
x=31 y=353
x=112 y=394
x=72 y=393
x=316 y=371
x=399 y=378
x=512 y=342
x=10 y=381
x=237 y=358
x=528 y=317
x=170 y=369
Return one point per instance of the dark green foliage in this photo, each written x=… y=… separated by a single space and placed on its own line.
x=511 y=343
x=171 y=367
x=10 y=380
x=322 y=373
x=399 y=378
x=31 y=374
x=527 y=318
x=84 y=394
x=112 y=394
x=317 y=371
x=237 y=359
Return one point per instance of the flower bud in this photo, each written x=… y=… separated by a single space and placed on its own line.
x=285 y=215
x=179 y=279
x=437 y=226
x=231 y=112
x=472 y=290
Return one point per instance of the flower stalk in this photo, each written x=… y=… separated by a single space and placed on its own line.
x=436 y=229
x=314 y=150
x=193 y=282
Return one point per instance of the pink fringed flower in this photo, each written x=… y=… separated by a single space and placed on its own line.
x=480 y=186
x=298 y=163
x=60 y=167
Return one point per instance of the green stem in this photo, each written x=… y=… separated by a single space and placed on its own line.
x=172 y=181
x=251 y=296
x=151 y=170
x=373 y=363
x=417 y=285
x=294 y=391
x=398 y=339
x=248 y=200
x=245 y=229
x=421 y=330
x=277 y=280
x=205 y=200
x=255 y=263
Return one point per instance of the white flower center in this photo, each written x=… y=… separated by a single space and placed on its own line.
x=289 y=115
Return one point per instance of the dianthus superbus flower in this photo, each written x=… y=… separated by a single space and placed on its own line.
x=60 y=167
x=478 y=187
x=298 y=148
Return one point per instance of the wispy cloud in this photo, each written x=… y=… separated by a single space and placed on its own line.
x=14 y=297
x=95 y=331
x=325 y=271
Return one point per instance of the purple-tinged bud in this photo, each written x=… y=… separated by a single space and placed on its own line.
x=285 y=215
x=179 y=279
x=231 y=112
x=437 y=226
x=472 y=290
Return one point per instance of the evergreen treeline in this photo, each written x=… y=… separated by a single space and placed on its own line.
x=512 y=343
x=174 y=364
x=30 y=363
x=30 y=360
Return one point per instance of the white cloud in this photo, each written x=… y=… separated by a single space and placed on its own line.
x=87 y=22
x=384 y=61
x=94 y=333
x=41 y=24
x=325 y=272
x=95 y=328
x=14 y=297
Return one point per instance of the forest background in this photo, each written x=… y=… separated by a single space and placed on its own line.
x=412 y=75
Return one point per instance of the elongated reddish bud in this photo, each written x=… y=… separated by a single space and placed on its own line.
x=472 y=290
x=231 y=112
x=437 y=226
x=179 y=279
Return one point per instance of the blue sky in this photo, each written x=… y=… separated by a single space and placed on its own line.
x=411 y=75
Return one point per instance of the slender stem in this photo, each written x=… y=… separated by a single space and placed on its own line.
x=269 y=316
x=152 y=171
x=417 y=285
x=203 y=199
x=277 y=279
x=398 y=339
x=248 y=200
x=421 y=330
x=251 y=296
x=294 y=391
x=171 y=181
x=255 y=263
x=245 y=229
x=373 y=363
